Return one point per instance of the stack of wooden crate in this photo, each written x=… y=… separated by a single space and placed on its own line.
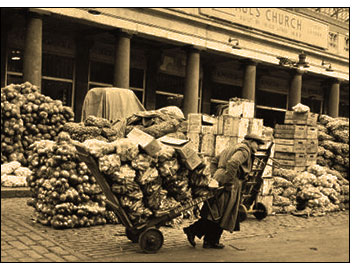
x=296 y=141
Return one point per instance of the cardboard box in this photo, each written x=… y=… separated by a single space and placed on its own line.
x=230 y=125
x=146 y=141
x=243 y=127
x=185 y=150
x=241 y=107
x=192 y=161
x=208 y=144
x=207 y=119
x=194 y=138
x=194 y=119
x=255 y=126
x=194 y=128
x=207 y=129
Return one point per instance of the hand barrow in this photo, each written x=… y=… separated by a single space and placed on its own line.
x=147 y=234
x=252 y=185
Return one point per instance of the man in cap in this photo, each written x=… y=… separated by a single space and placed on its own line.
x=229 y=169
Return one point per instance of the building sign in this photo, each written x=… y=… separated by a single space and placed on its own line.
x=273 y=84
x=227 y=76
x=275 y=21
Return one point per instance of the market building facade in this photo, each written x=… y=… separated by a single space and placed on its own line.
x=196 y=58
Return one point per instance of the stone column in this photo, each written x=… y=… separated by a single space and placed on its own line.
x=4 y=35
x=33 y=49
x=153 y=64
x=122 y=60
x=191 y=92
x=206 y=88
x=333 y=100
x=295 y=90
x=249 y=81
x=82 y=61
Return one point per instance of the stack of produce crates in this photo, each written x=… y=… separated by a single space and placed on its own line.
x=296 y=141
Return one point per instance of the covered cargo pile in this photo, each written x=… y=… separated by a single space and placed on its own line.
x=28 y=116
x=333 y=148
x=315 y=192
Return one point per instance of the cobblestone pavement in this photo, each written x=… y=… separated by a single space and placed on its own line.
x=23 y=240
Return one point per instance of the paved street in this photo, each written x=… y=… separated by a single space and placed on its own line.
x=282 y=238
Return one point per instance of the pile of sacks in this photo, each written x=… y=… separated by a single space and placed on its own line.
x=14 y=175
x=147 y=186
x=316 y=191
x=333 y=144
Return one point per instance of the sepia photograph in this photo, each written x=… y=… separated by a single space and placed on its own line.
x=175 y=135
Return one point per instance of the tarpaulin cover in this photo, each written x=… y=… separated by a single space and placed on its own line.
x=110 y=103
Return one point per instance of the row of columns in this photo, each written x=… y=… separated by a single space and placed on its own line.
x=33 y=59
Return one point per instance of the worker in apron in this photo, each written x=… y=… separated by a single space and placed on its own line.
x=229 y=169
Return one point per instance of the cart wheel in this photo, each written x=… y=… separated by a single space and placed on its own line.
x=242 y=213
x=132 y=235
x=260 y=211
x=151 y=240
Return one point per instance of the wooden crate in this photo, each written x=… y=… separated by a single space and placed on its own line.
x=312 y=132
x=312 y=146
x=194 y=119
x=286 y=162
x=256 y=126
x=290 y=131
x=241 y=107
x=288 y=145
x=294 y=168
x=312 y=119
x=194 y=140
x=243 y=127
x=207 y=144
x=231 y=125
x=289 y=156
x=309 y=118
x=206 y=129
x=311 y=159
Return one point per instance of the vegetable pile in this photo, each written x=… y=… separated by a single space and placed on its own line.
x=333 y=144
x=147 y=186
x=14 y=175
x=95 y=128
x=28 y=116
x=316 y=191
x=158 y=123
x=65 y=194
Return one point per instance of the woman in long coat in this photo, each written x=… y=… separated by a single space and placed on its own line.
x=229 y=169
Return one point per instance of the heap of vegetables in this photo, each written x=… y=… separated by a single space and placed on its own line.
x=315 y=191
x=14 y=175
x=95 y=128
x=333 y=144
x=65 y=194
x=28 y=116
x=146 y=185
x=158 y=123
